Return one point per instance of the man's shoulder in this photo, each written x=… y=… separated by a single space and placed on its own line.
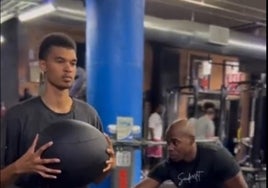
x=192 y=120
x=24 y=106
x=209 y=148
x=155 y=116
x=163 y=165
x=160 y=172
x=215 y=152
x=204 y=120
x=82 y=105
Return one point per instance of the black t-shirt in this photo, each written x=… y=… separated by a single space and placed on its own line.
x=23 y=121
x=211 y=167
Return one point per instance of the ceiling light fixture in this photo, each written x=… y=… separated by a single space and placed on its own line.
x=2 y=39
x=6 y=17
x=36 y=12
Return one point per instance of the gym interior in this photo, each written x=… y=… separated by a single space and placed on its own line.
x=133 y=55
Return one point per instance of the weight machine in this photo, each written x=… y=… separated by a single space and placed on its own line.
x=253 y=165
x=194 y=93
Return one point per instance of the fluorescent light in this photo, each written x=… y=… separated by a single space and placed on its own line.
x=37 y=12
x=246 y=44
x=72 y=11
x=6 y=17
x=2 y=39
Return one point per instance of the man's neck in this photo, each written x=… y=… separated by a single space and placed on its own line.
x=208 y=116
x=192 y=155
x=57 y=100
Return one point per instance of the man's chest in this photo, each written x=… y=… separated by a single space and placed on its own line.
x=36 y=123
x=39 y=121
x=193 y=176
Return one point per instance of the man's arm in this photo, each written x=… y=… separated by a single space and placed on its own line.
x=210 y=129
x=237 y=181
x=156 y=177
x=30 y=162
x=148 y=183
x=12 y=127
x=8 y=175
x=151 y=132
x=228 y=170
x=151 y=124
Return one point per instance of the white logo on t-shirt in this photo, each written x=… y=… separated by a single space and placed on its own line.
x=183 y=177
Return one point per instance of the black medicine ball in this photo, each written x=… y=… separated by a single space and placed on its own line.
x=80 y=147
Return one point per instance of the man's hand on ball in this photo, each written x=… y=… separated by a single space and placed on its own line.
x=31 y=161
x=110 y=163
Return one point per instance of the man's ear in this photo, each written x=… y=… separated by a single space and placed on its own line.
x=192 y=140
x=43 y=66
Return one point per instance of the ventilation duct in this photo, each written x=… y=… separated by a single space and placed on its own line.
x=191 y=35
x=196 y=36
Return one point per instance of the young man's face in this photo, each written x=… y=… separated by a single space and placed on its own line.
x=160 y=109
x=211 y=113
x=60 y=67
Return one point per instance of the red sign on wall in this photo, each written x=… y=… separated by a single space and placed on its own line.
x=232 y=76
x=232 y=87
x=204 y=83
x=204 y=72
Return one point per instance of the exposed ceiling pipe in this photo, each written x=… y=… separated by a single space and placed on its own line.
x=203 y=11
x=211 y=6
x=196 y=36
x=242 y=6
x=7 y=3
x=253 y=25
x=191 y=35
x=12 y=8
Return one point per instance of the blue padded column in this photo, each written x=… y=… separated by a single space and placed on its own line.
x=114 y=63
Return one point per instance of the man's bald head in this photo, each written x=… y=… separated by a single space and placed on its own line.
x=180 y=137
x=181 y=128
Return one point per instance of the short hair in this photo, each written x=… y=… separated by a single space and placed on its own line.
x=184 y=124
x=208 y=105
x=55 y=39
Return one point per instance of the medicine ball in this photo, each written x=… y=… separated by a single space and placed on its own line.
x=80 y=147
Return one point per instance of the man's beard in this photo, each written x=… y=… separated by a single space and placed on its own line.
x=60 y=87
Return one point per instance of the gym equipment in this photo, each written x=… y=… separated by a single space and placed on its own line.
x=255 y=177
x=257 y=89
x=81 y=149
x=146 y=143
x=193 y=90
x=253 y=165
x=196 y=93
x=260 y=92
